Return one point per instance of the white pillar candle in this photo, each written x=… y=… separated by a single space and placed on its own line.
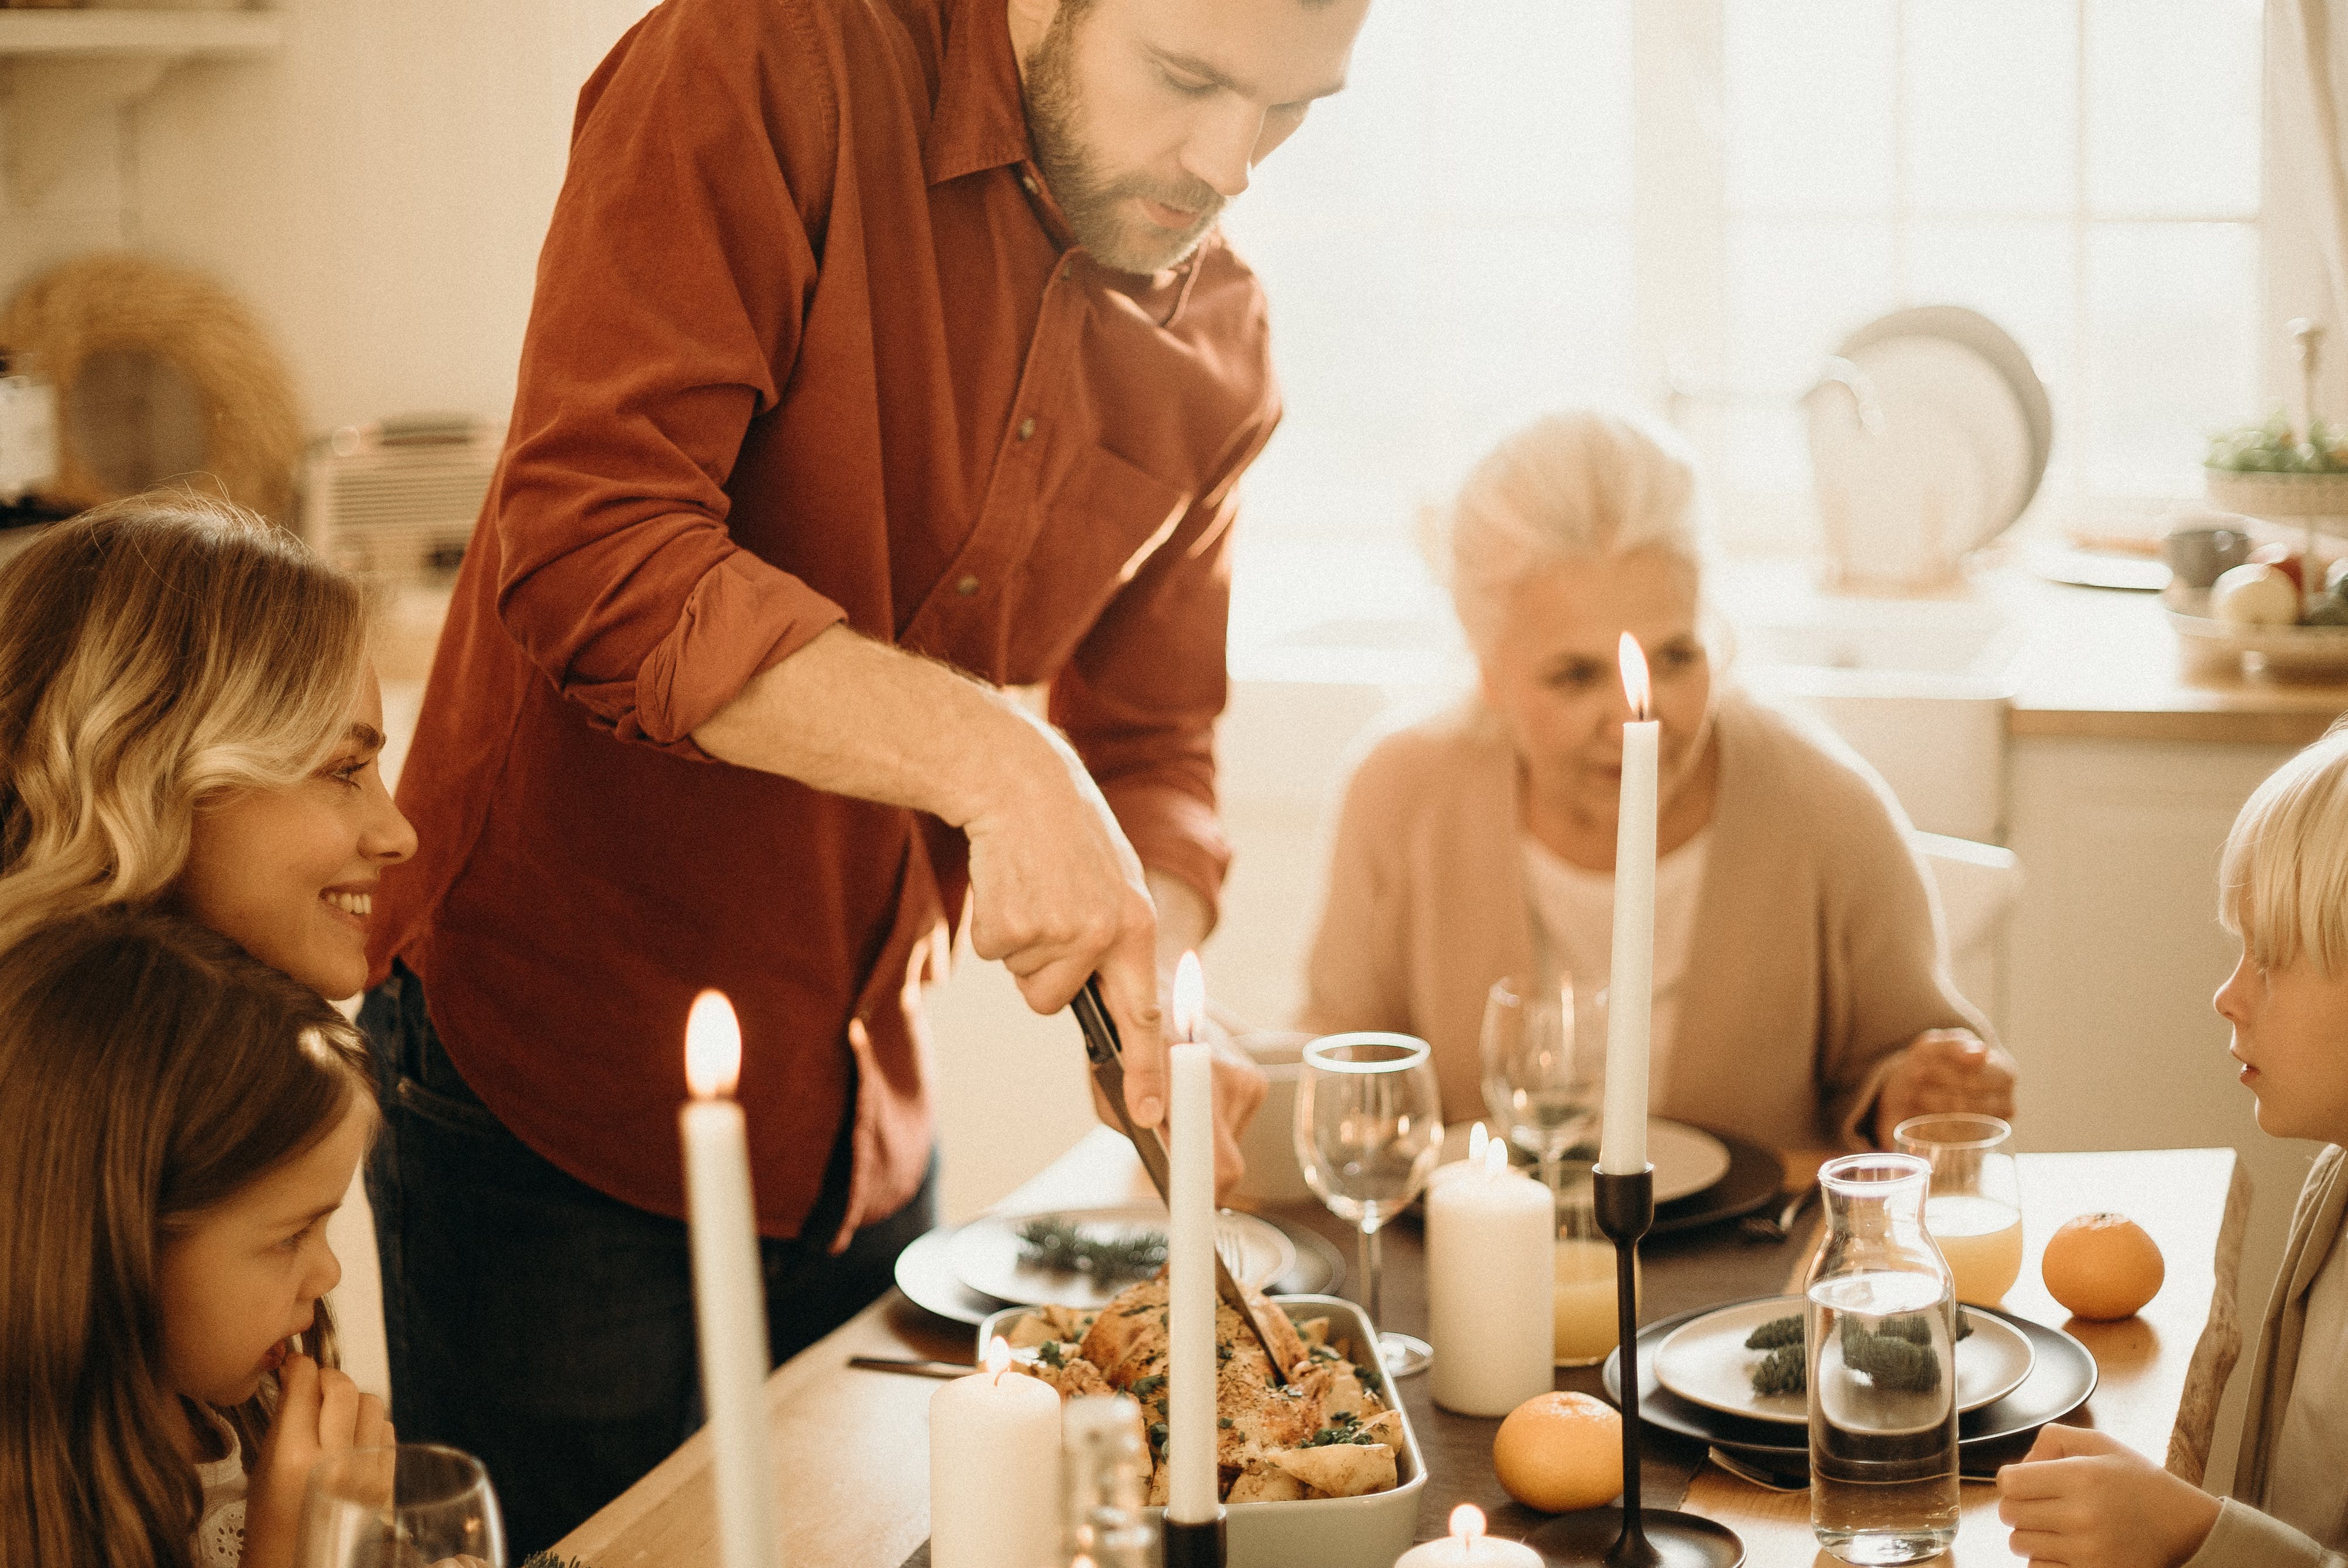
x=1469 y=1547
x=994 y=1470
x=1490 y=1236
x=1476 y=1140
x=1631 y=987
x=729 y=1298
x=1193 y=1491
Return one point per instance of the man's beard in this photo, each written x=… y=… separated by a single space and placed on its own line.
x=1090 y=198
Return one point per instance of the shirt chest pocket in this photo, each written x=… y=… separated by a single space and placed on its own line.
x=1096 y=529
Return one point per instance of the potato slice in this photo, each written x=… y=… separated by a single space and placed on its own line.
x=1262 y=1483
x=1341 y=1470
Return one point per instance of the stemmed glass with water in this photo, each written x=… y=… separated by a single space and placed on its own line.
x=1540 y=1084
x=1369 y=1129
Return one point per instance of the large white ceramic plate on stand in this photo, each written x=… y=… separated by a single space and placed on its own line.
x=1704 y=1362
x=986 y=1254
x=1687 y=1160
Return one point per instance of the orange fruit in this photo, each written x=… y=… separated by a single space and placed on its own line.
x=1560 y=1451
x=2101 y=1267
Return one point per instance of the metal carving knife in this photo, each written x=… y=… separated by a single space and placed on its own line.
x=1107 y=1059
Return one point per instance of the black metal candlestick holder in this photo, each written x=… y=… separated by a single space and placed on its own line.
x=1199 y=1545
x=1633 y=1536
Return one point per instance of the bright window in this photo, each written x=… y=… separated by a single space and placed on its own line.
x=1517 y=204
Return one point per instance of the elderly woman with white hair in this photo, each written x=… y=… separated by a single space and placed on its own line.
x=1801 y=995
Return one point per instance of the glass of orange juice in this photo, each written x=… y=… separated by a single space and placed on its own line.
x=1973 y=1210
x=1588 y=1321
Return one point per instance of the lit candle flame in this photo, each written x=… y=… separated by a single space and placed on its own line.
x=1496 y=1157
x=1635 y=686
x=1190 y=998
x=713 y=1047
x=1466 y=1524
x=998 y=1356
x=1476 y=1139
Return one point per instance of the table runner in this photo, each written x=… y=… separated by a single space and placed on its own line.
x=1692 y=1269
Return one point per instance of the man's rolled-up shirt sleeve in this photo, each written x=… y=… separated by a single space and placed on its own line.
x=1140 y=698
x=670 y=294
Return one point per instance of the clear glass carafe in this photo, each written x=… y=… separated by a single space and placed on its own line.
x=1882 y=1371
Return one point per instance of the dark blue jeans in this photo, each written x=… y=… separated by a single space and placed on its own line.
x=540 y=1324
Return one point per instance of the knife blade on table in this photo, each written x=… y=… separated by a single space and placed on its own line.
x=1102 y=1050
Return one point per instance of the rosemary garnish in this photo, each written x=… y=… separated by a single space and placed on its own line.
x=1063 y=1248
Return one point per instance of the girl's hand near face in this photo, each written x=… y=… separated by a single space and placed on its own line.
x=1945 y=1069
x=2088 y=1501
x=320 y=1411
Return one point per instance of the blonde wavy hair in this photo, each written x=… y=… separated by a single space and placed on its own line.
x=156 y=653
x=2282 y=882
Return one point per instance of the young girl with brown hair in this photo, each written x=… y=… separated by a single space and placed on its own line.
x=177 y=1120
x=188 y=717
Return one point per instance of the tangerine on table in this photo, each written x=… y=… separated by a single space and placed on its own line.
x=2101 y=1267
x=1560 y=1452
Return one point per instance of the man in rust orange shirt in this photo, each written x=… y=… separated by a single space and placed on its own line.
x=884 y=355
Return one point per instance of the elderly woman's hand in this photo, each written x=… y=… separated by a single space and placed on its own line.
x=1945 y=1069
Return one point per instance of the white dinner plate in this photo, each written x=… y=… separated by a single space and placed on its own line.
x=1687 y=1160
x=985 y=1254
x=1704 y=1362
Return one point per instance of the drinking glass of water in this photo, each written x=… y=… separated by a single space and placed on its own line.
x=1975 y=1209
x=1540 y=1083
x=1369 y=1130
x=416 y=1505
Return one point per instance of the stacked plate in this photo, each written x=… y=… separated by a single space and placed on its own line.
x=966 y=1273
x=1701 y=1177
x=2014 y=1376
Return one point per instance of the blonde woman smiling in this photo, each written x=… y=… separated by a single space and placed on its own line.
x=1801 y=996
x=187 y=719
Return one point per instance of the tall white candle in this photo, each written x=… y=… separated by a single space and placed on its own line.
x=1469 y=1547
x=728 y=1291
x=1631 y=988
x=1489 y=1234
x=994 y=1470
x=1193 y=1491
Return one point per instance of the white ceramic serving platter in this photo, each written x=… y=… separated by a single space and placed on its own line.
x=1686 y=1159
x=985 y=1254
x=1704 y=1362
x=1970 y=330
x=1327 y=1532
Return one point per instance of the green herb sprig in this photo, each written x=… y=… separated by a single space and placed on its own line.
x=1061 y=1247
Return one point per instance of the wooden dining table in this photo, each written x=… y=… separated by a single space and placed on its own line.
x=850 y=1446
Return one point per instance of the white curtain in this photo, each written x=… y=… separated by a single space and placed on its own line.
x=2307 y=61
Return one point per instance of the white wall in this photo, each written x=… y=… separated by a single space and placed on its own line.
x=376 y=191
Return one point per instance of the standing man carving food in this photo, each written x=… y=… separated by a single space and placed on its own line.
x=885 y=354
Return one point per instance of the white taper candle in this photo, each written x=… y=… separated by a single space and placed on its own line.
x=1631 y=987
x=1193 y=1491
x=729 y=1297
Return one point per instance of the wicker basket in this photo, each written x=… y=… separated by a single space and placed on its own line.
x=2290 y=495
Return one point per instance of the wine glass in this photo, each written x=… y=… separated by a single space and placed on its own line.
x=1538 y=1085
x=416 y=1505
x=1973 y=1210
x=1369 y=1129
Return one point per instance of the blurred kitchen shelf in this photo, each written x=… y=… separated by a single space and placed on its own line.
x=64 y=67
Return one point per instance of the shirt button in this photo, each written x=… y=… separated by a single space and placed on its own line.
x=1026 y=428
x=966 y=586
x=1028 y=181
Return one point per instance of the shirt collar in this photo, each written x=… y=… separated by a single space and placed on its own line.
x=980 y=117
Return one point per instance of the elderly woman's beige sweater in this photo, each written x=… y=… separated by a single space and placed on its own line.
x=1816 y=955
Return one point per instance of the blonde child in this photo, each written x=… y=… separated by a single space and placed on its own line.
x=177 y=1120
x=187 y=719
x=2087 y=1501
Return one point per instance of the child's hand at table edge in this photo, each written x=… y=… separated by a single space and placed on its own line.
x=2084 y=1500
x=320 y=1411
